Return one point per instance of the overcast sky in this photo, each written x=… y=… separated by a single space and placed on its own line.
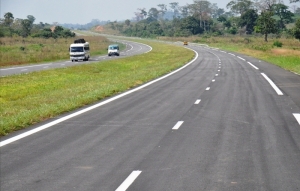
x=83 y=11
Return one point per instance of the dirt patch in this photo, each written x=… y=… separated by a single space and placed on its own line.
x=99 y=29
x=288 y=52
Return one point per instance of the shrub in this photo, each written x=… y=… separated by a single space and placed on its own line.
x=277 y=43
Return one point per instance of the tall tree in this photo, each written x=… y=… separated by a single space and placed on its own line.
x=248 y=19
x=268 y=4
x=285 y=16
x=153 y=12
x=201 y=9
x=8 y=21
x=163 y=10
x=296 y=30
x=175 y=7
x=266 y=24
x=26 y=27
x=239 y=6
x=184 y=11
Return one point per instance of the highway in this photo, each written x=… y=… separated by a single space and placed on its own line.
x=132 y=48
x=224 y=121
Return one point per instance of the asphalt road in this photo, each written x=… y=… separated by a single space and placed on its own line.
x=223 y=122
x=132 y=48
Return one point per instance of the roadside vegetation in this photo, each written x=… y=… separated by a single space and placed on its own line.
x=268 y=30
x=19 y=50
x=281 y=52
x=27 y=99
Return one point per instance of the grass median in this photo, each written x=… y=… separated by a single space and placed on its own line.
x=27 y=99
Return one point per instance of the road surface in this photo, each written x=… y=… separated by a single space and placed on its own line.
x=223 y=122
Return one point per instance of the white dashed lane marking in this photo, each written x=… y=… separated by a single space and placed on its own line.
x=297 y=116
x=129 y=180
x=253 y=65
x=178 y=124
x=198 y=101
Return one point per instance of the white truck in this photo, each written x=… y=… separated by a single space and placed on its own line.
x=79 y=50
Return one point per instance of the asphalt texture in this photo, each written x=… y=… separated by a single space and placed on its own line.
x=217 y=124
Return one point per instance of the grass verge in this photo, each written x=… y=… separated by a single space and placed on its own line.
x=31 y=98
x=17 y=50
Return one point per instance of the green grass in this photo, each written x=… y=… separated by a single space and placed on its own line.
x=31 y=98
x=18 y=51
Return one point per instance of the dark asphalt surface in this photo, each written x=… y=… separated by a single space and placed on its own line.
x=241 y=135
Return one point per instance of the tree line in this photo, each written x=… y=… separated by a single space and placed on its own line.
x=9 y=26
x=203 y=17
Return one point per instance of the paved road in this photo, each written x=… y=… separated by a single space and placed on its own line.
x=224 y=122
x=132 y=48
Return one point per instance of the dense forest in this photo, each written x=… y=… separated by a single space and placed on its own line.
x=244 y=17
x=9 y=26
x=202 y=17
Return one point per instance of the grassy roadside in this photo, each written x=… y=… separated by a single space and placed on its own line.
x=286 y=57
x=17 y=50
x=31 y=98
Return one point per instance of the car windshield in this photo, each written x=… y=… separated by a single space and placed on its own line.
x=76 y=49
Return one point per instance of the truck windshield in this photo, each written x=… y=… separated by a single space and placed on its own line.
x=76 y=49
x=113 y=48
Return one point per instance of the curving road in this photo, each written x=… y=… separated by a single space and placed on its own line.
x=222 y=122
x=132 y=48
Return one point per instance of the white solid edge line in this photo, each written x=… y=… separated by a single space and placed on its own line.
x=178 y=124
x=129 y=180
x=297 y=116
x=198 y=101
x=278 y=91
x=253 y=65
x=18 y=137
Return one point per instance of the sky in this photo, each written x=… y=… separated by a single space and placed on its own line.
x=83 y=11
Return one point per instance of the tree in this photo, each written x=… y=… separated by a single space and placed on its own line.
x=296 y=30
x=163 y=9
x=248 y=19
x=175 y=7
x=8 y=20
x=184 y=11
x=294 y=1
x=153 y=12
x=266 y=24
x=201 y=9
x=127 y=22
x=26 y=27
x=283 y=13
x=31 y=18
x=190 y=24
x=239 y=6
x=266 y=5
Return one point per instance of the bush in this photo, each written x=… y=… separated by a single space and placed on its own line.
x=277 y=43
